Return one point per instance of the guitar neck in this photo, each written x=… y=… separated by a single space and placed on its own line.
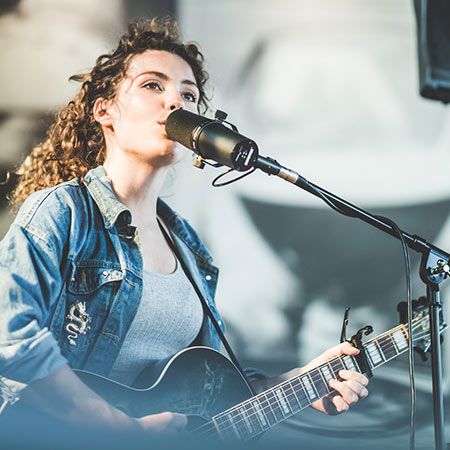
x=254 y=416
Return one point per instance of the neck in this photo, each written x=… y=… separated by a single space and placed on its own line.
x=257 y=414
x=136 y=185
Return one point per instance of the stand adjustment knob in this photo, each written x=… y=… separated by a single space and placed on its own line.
x=442 y=267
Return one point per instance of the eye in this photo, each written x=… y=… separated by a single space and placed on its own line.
x=190 y=97
x=153 y=85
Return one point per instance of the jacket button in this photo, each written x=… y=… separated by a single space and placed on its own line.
x=208 y=278
x=105 y=274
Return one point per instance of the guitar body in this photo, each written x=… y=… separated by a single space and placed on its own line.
x=197 y=381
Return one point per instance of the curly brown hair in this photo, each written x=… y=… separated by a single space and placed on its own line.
x=75 y=142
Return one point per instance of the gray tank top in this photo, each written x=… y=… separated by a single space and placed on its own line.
x=168 y=319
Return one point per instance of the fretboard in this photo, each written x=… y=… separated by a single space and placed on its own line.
x=254 y=416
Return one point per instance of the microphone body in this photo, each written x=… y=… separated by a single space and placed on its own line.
x=211 y=139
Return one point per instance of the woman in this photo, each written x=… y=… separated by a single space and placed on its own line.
x=87 y=269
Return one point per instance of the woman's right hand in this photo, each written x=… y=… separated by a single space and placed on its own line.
x=63 y=395
x=165 y=423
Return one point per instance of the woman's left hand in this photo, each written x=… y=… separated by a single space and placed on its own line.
x=348 y=390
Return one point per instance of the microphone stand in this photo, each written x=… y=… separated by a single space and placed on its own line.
x=434 y=268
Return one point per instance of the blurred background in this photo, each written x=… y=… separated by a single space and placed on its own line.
x=329 y=89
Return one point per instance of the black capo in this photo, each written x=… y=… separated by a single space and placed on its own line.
x=356 y=341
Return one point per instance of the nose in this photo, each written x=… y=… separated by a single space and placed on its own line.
x=174 y=102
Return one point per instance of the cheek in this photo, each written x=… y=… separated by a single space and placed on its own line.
x=131 y=109
x=130 y=122
x=192 y=107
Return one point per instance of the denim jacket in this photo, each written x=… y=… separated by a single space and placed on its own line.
x=72 y=245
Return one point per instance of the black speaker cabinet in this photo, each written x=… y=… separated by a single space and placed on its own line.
x=433 y=37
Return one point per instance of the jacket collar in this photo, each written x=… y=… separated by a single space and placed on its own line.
x=99 y=186
x=114 y=212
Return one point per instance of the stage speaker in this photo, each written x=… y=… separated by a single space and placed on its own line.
x=433 y=38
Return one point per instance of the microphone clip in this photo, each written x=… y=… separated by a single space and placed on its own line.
x=198 y=161
x=221 y=116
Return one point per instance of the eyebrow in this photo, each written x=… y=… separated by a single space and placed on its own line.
x=165 y=77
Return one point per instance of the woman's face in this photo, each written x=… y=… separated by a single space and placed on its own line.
x=156 y=83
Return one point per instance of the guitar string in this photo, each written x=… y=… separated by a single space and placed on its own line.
x=318 y=376
x=380 y=338
x=265 y=405
x=210 y=426
x=253 y=428
x=236 y=424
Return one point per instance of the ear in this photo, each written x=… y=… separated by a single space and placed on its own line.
x=101 y=112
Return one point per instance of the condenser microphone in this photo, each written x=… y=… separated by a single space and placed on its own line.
x=211 y=139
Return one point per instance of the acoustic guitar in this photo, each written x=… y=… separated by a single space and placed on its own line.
x=207 y=387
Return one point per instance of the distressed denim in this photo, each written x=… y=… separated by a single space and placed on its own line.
x=71 y=244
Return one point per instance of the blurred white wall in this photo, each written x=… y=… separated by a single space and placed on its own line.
x=43 y=43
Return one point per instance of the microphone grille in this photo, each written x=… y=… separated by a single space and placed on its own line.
x=180 y=125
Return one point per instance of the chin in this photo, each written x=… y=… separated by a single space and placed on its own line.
x=168 y=156
x=176 y=153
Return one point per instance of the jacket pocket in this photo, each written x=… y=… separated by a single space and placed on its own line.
x=90 y=294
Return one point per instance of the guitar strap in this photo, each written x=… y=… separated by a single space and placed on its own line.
x=205 y=305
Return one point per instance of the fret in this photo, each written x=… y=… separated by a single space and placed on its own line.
x=310 y=391
x=336 y=365
x=276 y=407
x=241 y=421
x=259 y=409
x=404 y=330
x=374 y=354
x=226 y=428
x=326 y=372
x=356 y=365
x=283 y=401
x=238 y=425
x=268 y=410
x=231 y=430
x=379 y=350
x=254 y=418
x=349 y=362
x=319 y=383
x=370 y=363
x=292 y=398
x=400 y=340
x=300 y=392
x=388 y=347
x=227 y=434
x=247 y=418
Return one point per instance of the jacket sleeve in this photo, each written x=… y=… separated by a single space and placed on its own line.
x=253 y=374
x=31 y=256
